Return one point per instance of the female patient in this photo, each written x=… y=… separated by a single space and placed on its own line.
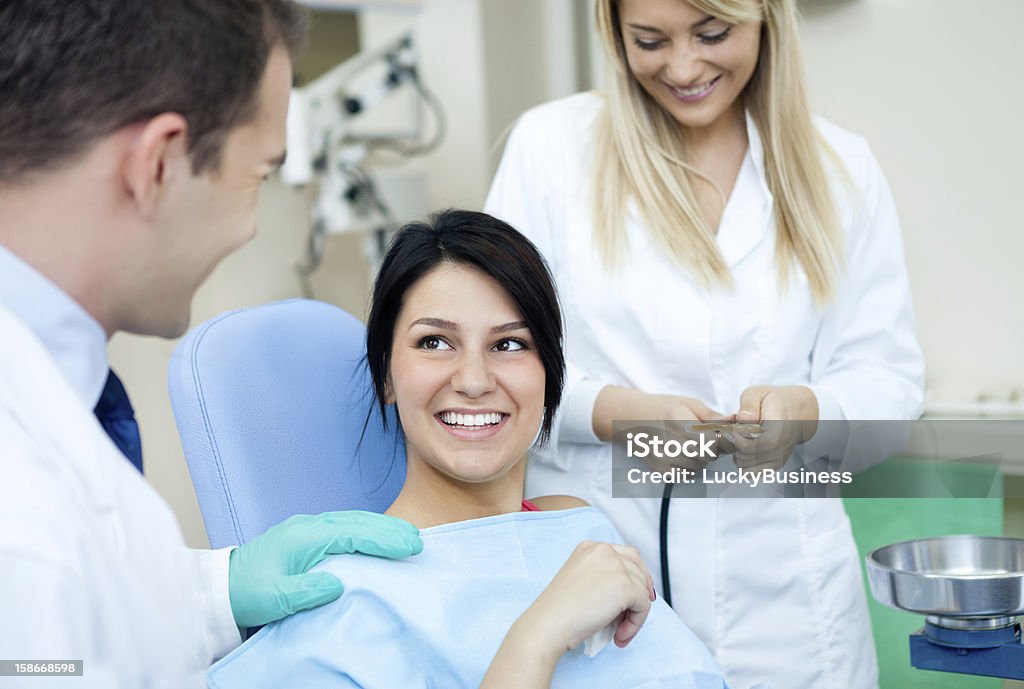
x=464 y=338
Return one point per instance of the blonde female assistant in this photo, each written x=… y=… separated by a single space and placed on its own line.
x=720 y=253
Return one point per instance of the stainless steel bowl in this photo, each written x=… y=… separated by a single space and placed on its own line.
x=951 y=578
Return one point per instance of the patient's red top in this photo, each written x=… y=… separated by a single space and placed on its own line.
x=530 y=507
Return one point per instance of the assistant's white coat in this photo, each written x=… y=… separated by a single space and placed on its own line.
x=773 y=587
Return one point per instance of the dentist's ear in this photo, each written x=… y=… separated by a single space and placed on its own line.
x=158 y=152
x=389 y=393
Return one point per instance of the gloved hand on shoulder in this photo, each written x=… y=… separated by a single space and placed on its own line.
x=269 y=578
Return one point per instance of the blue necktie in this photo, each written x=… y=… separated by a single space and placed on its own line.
x=117 y=417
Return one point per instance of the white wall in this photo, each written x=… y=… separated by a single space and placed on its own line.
x=935 y=86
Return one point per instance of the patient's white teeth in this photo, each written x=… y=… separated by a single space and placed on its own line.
x=471 y=420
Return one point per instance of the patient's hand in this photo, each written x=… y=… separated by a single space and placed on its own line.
x=598 y=584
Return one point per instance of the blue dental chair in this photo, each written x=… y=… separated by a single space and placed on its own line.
x=271 y=404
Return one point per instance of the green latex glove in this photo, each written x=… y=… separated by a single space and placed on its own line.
x=268 y=579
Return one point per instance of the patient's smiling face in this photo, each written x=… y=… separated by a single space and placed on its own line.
x=467 y=380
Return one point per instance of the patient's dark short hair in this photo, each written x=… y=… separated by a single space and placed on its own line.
x=495 y=248
x=73 y=71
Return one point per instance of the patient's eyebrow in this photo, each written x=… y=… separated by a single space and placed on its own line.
x=450 y=325
x=435 y=323
x=508 y=327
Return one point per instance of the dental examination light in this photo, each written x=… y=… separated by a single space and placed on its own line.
x=325 y=147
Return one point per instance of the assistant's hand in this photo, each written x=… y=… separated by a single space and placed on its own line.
x=789 y=416
x=615 y=403
x=268 y=579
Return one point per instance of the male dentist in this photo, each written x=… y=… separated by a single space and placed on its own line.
x=134 y=137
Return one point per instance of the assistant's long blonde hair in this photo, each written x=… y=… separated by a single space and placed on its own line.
x=641 y=153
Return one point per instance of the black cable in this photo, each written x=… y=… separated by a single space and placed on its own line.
x=666 y=584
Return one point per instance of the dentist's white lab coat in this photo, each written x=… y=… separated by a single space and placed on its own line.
x=92 y=562
x=772 y=586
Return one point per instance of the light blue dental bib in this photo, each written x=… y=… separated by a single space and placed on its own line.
x=437 y=619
